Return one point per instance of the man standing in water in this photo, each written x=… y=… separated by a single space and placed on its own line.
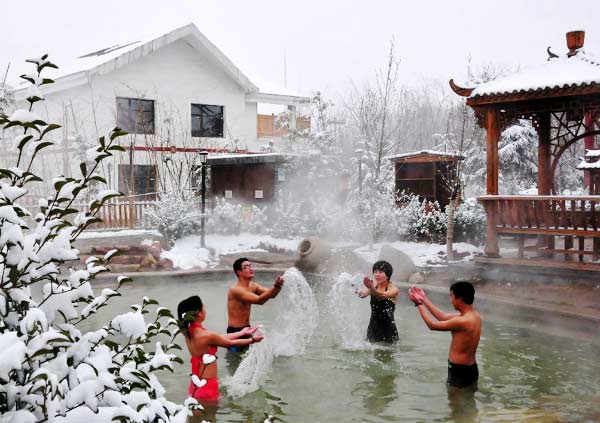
x=465 y=328
x=244 y=293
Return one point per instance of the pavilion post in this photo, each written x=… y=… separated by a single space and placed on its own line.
x=545 y=177
x=544 y=156
x=493 y=135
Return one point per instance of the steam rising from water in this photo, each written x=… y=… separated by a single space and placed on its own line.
x=297 y=318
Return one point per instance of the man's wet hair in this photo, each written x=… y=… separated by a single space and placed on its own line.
x=187 y=309
x=384 y=267
x=464 y=290
x=237 y=265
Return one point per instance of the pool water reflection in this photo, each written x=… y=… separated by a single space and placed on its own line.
x=525 y=375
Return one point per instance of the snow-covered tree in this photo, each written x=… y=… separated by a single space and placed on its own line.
x=518 y=158
x=7 y=98
x=50 y=368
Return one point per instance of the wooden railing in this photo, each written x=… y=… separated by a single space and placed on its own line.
x=267 y=127
x=115 y=213
x=119 y=213
x=546 y=216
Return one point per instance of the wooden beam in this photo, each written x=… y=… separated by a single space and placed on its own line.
x=544 y=156
x=545 y=176
x=493 y=135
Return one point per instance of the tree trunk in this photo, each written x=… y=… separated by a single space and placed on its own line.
x=450 y=227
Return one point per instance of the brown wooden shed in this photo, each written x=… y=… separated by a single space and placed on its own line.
x=427 y=173
x=247 y=178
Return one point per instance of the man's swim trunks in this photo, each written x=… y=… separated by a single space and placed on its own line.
x=231 y=329
x=462 y=375
x=209 y=392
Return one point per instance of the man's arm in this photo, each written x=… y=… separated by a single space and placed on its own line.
x=454 y=323
x=277 y=285
x=252 y=298
x=418 y=296
x=442 y=316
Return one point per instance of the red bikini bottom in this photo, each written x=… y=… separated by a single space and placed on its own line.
x=209 y=392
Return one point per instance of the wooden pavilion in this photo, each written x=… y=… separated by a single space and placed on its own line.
x=561 y=98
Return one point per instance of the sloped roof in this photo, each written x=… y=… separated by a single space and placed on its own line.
x=440 y=155
x=113 y=57
x=579 y=70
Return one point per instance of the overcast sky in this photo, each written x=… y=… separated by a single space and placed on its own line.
x=328 y=43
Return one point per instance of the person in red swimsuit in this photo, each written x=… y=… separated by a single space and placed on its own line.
x=202 y=345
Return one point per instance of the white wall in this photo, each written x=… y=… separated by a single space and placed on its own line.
x=174 y=77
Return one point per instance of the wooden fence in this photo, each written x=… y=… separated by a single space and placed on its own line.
x=115 y=213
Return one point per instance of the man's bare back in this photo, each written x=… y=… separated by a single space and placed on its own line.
x=465 y=328
x=466 y=339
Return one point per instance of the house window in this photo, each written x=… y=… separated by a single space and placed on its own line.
x=144 y=179
x=207 y=121
x=135 y=116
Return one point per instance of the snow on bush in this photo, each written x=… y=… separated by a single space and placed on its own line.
x=51 y=369
x=173 y=216
x=421 y=220
x=470 y=222
x=225 y=218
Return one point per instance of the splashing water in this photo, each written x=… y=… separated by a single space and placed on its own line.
x=297 y=317
x=348 y=326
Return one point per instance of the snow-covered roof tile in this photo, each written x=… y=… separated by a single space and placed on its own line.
x=423 y=153
x=592 y=153
x=562 y=72
x=588 y=165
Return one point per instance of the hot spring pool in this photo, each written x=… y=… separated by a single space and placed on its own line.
x=525 y=373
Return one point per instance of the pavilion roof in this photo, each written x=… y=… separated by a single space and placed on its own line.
x=593 y=164
x=574 y=73
x=579 y=70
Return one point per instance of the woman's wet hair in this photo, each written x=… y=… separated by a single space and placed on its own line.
x=186 y=312
x=464 y=290
x=384 y=267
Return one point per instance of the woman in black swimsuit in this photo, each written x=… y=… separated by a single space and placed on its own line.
x=384 y=294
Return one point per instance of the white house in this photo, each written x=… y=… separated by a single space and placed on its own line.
x=175 y=94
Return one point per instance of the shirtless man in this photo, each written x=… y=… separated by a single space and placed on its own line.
x=244 y=293
x=464 y=326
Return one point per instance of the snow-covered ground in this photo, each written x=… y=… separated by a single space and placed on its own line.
x=422 y=254
x=116 y=234
x=187 y=254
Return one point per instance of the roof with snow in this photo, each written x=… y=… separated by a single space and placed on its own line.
x=99 y=62
x=580 y=70
x=576 y=72
x=593 y=155
x=426 y=155
x=237 y=159
x=588 y=165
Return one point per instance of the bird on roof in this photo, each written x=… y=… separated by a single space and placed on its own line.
x=551 y=55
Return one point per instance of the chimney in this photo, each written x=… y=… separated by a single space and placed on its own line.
x=575 y=41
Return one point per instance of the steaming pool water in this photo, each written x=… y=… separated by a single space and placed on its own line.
x=316 y=366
